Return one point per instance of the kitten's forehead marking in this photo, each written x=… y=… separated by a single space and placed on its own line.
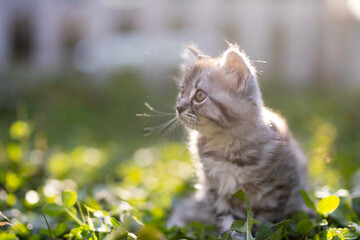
x=191 y=75
x=203 y=75
x=196 y=82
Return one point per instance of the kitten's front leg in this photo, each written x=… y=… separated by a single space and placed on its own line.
x=224 y=218
x=221 y=208
x=191 y=209
x=224 y=221
x=223 y=215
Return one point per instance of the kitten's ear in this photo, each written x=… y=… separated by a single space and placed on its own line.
x=236 y=62
x=190 y=55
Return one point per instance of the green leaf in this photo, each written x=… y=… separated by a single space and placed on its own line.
x=89 y=208
x=120 y=228
x=250 y=223
x=264 y=231
x=340 y=233
x=211 y=234
x=226 y=236
x=245 y=227
x=308 y=201
x=199 y=230
x=240 y=195
x=283 y=224
x=45 y=232
x=238 y=226
x=328 y=205
x=356 y=227
x=32 y=237
x=304 y=226
x=72 y=215
x=277 y=234
x=76 y=232
x=69 y=198
x=7 y=236
x=114 y=222
x=52 y=209
x=131 y=222
x=344 y=214
x=241 y=226
x=60 y=229
x=88 y=235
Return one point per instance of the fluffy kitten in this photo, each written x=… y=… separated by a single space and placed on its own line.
x=240 y=144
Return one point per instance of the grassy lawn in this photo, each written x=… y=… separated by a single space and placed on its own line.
x=75 y=163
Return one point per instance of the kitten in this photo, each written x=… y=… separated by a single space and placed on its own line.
x=240 y=144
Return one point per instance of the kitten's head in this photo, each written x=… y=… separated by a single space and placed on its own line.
x=217 y=94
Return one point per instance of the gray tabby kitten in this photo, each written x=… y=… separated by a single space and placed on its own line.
x=240 y=144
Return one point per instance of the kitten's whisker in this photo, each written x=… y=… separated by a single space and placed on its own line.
x=182 y=150
x=184 y=143
x=194 y=124
x=148 y=115
x=184 y=134
x=204 y=56
x=159 y=128
x=142 y=115
x=163 y=104
x=168 y=132
x=148 y=106
x=259 y=61
x=154 y=110
x=161 y=125
x=184 y=138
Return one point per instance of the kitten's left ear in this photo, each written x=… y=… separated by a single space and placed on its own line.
x=236 y=62
x=190 y=55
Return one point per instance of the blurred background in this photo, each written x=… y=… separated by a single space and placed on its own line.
x=73 y=75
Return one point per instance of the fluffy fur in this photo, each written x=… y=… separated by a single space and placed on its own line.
x=239 y=143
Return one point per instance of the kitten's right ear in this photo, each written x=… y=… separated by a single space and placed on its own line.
x=189 y=56
x=235 y=61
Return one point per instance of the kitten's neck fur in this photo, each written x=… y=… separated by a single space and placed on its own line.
x=232 y=143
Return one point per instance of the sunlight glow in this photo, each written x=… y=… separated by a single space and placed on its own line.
x=354 y=8
x=32 y=197
x=93 y=156
x=143 y=157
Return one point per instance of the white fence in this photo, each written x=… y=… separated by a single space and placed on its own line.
x=301 y=40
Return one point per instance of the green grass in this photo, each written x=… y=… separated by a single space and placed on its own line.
x=75 y=165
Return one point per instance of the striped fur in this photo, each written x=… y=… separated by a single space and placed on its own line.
x=239 y=143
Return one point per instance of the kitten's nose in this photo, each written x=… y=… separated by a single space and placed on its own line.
x=180 y=109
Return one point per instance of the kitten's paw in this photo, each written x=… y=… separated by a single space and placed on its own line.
x=235 y=235
x=189 y=210
x=238 y=236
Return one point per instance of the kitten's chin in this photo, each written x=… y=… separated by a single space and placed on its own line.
x=188 y=125
x=201 y=125
x=184 y=122
x=208 y=128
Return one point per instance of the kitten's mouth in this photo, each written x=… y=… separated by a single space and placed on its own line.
x=188 y=119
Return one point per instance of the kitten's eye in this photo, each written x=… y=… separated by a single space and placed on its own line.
x=200 y=95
